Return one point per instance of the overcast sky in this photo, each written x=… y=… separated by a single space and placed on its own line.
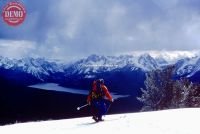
x=64 y=29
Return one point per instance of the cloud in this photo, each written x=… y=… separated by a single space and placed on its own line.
x=166 y=5
x=16 y=49
x=171 y=56
x=76 y=28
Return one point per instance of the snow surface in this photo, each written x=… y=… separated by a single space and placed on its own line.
x=179 y=121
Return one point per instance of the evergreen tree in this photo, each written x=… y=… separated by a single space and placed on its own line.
x=163 y=92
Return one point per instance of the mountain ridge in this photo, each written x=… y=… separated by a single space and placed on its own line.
x=94 y=65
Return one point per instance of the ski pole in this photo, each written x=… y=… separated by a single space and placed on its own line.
x=108 y=107
x=78 y=108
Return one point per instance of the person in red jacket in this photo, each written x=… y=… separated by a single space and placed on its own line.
x=98 y=99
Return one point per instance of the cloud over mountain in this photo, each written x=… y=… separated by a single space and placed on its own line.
x=77 y=28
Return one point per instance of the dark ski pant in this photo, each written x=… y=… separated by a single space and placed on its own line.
x=99 y=107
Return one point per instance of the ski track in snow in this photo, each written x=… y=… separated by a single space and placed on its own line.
x=179 y=121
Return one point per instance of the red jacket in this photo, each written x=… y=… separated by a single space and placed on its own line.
x=103 y=87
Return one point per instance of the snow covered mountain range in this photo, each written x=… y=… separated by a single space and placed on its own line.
x=97 y=64
x=188 y=66
x=36 y=67
x=94 y=65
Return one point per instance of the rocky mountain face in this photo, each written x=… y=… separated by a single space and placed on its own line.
x=125 y=71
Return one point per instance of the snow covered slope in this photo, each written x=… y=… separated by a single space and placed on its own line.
x=188 y=66
x=179 y=121
x=38 y=68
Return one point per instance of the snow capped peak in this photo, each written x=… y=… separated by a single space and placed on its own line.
x=37 y=67
x=145 y=61
x=6 y=63
x=95 y=58
x=169 y=56
x=188 y=66
x=96 y=64
x=148 y=62
x=174 y=56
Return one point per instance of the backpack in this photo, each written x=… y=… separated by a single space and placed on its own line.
x=99 y=92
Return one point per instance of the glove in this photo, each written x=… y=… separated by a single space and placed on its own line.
x=89 y=103
x=112 y=100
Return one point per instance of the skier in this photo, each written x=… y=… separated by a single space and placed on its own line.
x=99 y=99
